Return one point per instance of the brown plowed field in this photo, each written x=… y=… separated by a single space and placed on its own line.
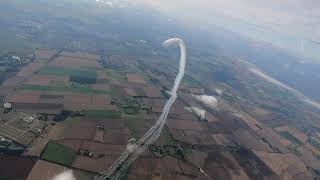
x=30 y=69
x=71 y=143
x=44 y=170
x=13 y=82
x=183 y=124
x=116 y=136
x=45 y=54
x=44 y=80
x=153 y=92
x=107 y=149
x=136 y=78
x=80 y=55
x=99 y=99
x=85 y=129
x=12 y=167
x=23 y=98
x=74 y=63
x=101 y=86
x=92 y=164
x=130 y=92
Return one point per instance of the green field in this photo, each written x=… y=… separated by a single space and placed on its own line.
x=55 y=71
x=84 y=76
x=74 y=87
x=58 y=153
x=103 y=114
x=190 y=82
x=46 y=96
x=130 y=110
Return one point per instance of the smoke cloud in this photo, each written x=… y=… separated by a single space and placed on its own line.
x=66 y=175
x=219 y=91
x=209 y=101
x=198 y=111
x=116 y=171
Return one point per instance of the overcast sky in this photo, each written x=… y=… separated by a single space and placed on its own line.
x=297 y=17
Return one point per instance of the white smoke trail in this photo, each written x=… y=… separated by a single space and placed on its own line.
x=120 y=166
x=65 y=175
x=209 y=101
x=198 y=111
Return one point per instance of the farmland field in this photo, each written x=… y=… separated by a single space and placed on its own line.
x=102 y=114
x=58 y=153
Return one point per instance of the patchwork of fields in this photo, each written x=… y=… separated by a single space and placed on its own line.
x=78 y=111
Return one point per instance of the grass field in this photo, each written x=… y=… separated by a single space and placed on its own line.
x=103 y=114
x=58 y=153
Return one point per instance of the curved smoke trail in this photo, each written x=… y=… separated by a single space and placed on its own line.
x=121 y=165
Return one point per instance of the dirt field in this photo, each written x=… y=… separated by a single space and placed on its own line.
x=246 y=139
x=46 y=170
x=73 y=63
x=85 y=129
x=281 y=163
x=76 y=101
x=102 y=75
x=130 y=92
x=12 y=167
x=197 y=158
x=136 y=78
x=45 y=54
x=223 y=139
x=101 y=86
x=250 y=121
x=30 y=69
x=94 y=165
x=294 y=132
x=45 y=80
x=152 y=92
x=116 y=136
x=99 y=99
x=211 y=118
x=191 y=136
x=80 y=55
x=23 y=98
x=183 y=124
x=13 y=82
x=74 y=144
x=99 y=136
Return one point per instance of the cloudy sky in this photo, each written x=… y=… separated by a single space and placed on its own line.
x=297 y=19
x=290 y=16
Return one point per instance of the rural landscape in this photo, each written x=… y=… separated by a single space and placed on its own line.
x=70 y=106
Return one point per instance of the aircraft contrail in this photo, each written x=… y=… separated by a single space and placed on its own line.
x=133 y=151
